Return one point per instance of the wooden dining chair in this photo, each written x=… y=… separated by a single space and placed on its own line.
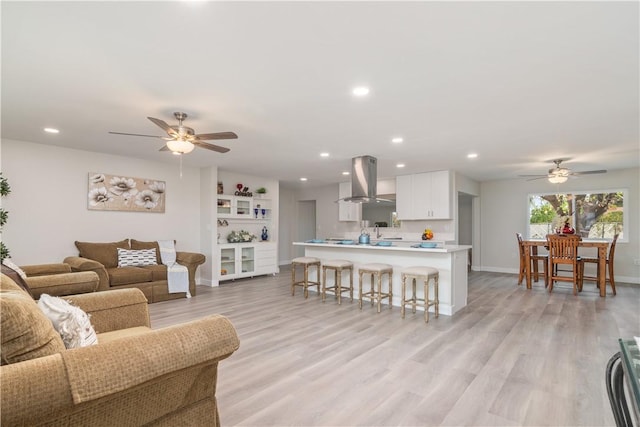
x=608 y=266
x=563 y=250
x=535 y=259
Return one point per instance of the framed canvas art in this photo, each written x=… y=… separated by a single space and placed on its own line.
x=123 y=193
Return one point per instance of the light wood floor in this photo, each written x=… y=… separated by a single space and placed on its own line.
x=512 y=357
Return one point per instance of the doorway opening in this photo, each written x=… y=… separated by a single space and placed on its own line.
x=306 y=224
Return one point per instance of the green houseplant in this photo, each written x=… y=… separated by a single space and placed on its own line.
x=5 y=189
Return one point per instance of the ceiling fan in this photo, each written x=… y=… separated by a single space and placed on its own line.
x=560 y=174
x=182 y=139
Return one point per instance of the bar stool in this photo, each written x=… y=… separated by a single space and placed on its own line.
x=376 y=270
x=425 y=274
x=305 y=262
x=338 y=266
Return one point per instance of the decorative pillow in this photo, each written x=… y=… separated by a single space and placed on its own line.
x=105 y=253
x=15 y=275
x=12 y=265
x=139 y=244
x=26 y=331
x=71 y=322
x=136 y=258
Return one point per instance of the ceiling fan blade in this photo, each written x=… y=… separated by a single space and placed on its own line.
x=164 y=148
x=538 y=177
x=532 y=176
x=589 y=172
x=163 y=125
x=216 y=135
x=211 y=147
x=136 y=134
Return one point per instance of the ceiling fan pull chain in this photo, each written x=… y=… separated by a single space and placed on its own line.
x=180 y=165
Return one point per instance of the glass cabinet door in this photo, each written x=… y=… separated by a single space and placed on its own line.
x=227 y=261
x=244 y=207
x=224 y=206
x=248 y=259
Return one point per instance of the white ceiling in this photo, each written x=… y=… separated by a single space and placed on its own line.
x=519 y=83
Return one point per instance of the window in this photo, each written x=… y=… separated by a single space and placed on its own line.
x=595 y=215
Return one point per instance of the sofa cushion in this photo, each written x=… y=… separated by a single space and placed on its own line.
x=128 y=275
x=26 y=332
x=105 y=253
x=16 y=277
x=158 y=272
x=137 y=244
x=71 y=322
x=136 y=257
x=79 y=282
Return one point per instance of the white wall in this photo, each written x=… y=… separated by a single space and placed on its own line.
x=208 y=223
x=288 y=225
x=504 y=207
x=48 y=202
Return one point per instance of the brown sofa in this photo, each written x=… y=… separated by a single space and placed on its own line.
x=102 y=258
x=133 y=376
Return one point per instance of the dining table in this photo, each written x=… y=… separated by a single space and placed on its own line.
x=531 y=248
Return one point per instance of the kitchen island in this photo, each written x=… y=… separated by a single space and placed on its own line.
x=450 y=260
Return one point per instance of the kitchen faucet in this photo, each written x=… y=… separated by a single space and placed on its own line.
x=377 y=229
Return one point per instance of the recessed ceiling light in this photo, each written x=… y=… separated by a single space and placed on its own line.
x=361 y=91
x=400 y=165
x=345 y=173
x=397 y=140
x=472 y=156
x=324 y=154
x=303 y=179
x=51 y=130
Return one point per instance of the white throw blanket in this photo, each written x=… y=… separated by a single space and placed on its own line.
x=177 y=275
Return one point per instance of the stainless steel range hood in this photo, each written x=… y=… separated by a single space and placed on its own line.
x=364 y=180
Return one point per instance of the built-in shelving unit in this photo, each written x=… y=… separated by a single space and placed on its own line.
x=247 y=259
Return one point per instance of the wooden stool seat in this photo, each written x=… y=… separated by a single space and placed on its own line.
x=338 y=266
x=377 y=271
x=306 y=263
x=427 y=275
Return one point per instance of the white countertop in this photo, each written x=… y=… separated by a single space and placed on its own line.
x=396 y=246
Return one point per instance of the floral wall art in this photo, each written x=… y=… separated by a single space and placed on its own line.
x=122 y=193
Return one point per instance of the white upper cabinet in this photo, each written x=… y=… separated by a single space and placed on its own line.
x=234 y=206
x=347 y=211
x=424 y=196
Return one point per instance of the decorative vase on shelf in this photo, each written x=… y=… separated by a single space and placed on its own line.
x=265 y=234
x=255 y=211
x=264 y=212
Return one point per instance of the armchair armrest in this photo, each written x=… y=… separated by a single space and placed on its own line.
x=190 y=258
x=122 y=382
x=115 y=309
x=84 y=264
x=45 y=269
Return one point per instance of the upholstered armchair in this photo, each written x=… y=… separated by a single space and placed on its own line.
x=133 y=376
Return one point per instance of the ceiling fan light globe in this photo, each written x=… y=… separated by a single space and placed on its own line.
x=558 y=179
x=187 y=147
x=180 y=146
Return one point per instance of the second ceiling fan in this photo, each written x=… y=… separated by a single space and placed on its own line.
x=183 y=139
x=560 y=174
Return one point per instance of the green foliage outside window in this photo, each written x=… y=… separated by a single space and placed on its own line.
x=542 y=214
x=595 y=215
